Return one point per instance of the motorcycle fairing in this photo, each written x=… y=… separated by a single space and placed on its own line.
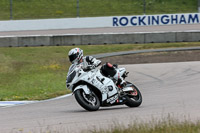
x=102 y=83
x=96 y=79
x=84 y=87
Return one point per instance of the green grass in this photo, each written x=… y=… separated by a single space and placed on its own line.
x=36 y=73
x=35 y=9
x=170 y=125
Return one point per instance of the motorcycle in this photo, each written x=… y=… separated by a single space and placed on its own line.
x=93 y=90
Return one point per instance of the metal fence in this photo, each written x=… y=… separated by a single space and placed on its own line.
x=39 y=9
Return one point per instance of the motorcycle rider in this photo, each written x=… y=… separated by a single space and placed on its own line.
x=76 y=57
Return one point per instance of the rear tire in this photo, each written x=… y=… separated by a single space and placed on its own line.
x=89 y=102
x=134 y=99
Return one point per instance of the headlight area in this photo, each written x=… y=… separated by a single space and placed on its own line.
x=71 y=77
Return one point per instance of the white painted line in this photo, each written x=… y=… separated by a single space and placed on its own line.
x=56 y=98
x=12 y=103
x=6 y=104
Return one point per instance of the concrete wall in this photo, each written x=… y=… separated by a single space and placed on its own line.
x=97 y=22
x=93 y=39
x=63 y=23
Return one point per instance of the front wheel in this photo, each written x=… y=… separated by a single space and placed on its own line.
x=133 y=98
x=89 y=102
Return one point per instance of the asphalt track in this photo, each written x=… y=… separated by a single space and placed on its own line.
x=163 y=28
x=167 y=89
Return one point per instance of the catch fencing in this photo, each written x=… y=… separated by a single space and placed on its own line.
x=42 y=9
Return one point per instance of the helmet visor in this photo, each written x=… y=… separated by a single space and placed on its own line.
x=73 y=57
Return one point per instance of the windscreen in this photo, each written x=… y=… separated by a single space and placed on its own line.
x=71 y=76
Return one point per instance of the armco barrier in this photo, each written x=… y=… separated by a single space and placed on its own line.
x=93 y=39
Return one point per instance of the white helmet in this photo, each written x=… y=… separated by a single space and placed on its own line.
x=75 y=55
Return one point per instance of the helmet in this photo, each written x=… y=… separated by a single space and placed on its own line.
x=75 y=55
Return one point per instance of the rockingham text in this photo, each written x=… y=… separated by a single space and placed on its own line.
x=156 y=19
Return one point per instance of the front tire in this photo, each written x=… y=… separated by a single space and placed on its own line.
x=89 y=102
x=134 y=98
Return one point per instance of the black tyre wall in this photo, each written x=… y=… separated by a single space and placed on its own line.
x=79 y=98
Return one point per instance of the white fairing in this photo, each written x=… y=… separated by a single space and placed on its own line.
x=93 y=77
x=84 y=87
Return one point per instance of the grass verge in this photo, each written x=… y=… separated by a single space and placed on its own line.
x=171 y=125
x=35 y=9
x=37 y=73
x=168 y=124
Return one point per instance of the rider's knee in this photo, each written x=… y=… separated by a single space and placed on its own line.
x=108 y=70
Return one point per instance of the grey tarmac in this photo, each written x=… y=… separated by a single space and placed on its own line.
x=129 y=29
x=167 y=89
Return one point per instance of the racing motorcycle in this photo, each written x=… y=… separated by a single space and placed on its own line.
x=92 y=89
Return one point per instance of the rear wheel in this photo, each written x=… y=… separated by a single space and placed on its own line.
x=133 y=98
x=89 y=102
